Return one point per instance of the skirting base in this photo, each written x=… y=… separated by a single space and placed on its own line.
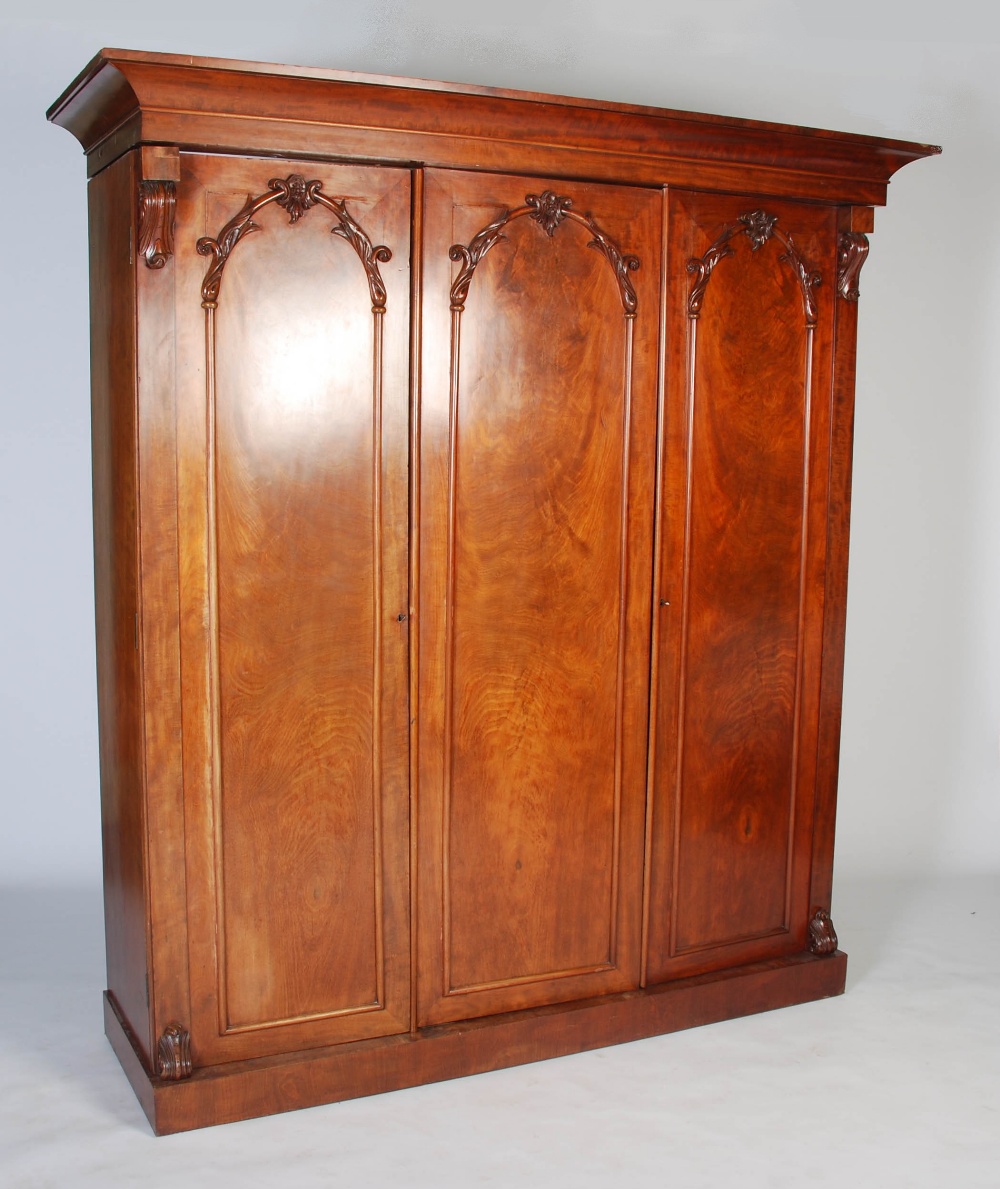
x=269 y=1085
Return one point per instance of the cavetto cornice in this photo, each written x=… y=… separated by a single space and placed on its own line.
x=127 y=98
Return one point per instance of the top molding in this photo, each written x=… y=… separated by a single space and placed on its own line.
x=125 y=98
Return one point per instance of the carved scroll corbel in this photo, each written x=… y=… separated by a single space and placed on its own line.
x=174 y=1054
x=157 y=204
x=822 y=935
x=852 y=252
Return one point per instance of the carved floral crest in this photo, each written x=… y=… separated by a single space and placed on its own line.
x=296 y=194
x=758 y=226
x=549 y=209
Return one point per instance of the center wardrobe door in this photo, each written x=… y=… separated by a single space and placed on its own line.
x=540 y=331
x=293 y=321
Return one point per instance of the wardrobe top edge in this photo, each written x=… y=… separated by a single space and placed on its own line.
x=120 y=85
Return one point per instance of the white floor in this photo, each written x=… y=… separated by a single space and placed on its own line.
x=897 y=1083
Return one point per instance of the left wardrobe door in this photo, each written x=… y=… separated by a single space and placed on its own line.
x=292 y=321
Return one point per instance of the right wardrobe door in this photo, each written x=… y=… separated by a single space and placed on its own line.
x=738 y=637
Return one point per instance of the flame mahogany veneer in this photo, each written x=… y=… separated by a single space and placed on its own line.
x=471 y=495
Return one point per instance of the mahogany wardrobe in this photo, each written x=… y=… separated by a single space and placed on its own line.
x=471 y=494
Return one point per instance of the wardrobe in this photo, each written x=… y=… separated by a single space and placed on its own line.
x=471 y=497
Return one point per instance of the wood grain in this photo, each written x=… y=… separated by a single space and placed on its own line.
x=159 y=636
x=124 y=97
x=470 y=556
x=735 y=781
x=243 y=1090
x=535 y=811
x=113 y=199
x=835 y=600
x=302 y=708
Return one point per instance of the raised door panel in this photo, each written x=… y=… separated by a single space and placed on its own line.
x=739 y=639
x=540 y=316
x=293 y=321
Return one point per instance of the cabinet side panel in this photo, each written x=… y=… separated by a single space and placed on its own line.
x=838 y=527
x=112 y=200
x=159 y=629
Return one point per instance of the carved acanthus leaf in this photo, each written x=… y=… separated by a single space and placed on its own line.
x=369 y=255
x=174 y=1054
x=808 y=278
x=219 y=249
x=702 y=269
x=852 y=252
x=622 y=262
x=822 y=936
x=470 y=256
x=157 y=203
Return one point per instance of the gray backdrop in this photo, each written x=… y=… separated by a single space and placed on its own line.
x=919 y=779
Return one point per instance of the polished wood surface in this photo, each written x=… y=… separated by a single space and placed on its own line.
x=742 y=574
x=246 y=1089
x=159 y=627
x=538 y=397
x=295 y=599
x=471 y=494
x=117 y=596
x=852 y=225
x=127 y=97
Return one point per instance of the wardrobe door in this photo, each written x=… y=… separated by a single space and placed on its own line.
x=540 y=332
x=292 y=313
x=751 y=291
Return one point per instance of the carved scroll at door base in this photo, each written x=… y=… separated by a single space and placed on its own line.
x=822 y=935
x=174 y=1056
